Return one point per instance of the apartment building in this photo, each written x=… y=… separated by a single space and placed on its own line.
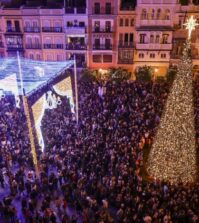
x=125 y=36
x=76 y=34
x=102 y=33
x=2 y=46
x=102 y=30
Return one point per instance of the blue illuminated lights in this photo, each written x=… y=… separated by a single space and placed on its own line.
x=34 y=73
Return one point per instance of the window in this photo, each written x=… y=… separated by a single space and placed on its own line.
x=108 y=8
x=152 y=55
x=132 y=22
x=107 y=43
x=163 y=55
x=151 y=38
x=141 y=55
x=153 y=14
x=97 y=58
x=142 y=38
x=165 y=38
x=108 y=26
x=121 y=38
x=31 y=56
x=81 y=24
x=126 y=37
x=167 y=14
x=107 y=58
x=126 y=22
x=9 y=25
x=159 y=14
x=131 y=38
x=157 y=39
x=97 y=26
x=27 y=24
x=97 y=8
x=34 y=24
x=97 y=43
x=38 y=56
x=144 y=14
x=121 y=22
x=17 y=26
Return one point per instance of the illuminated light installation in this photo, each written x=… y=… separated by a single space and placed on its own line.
x=35 y=73
x=38 y=110
x=173 y=153
x=191 y=25
x=52 y=101
x=64 y=88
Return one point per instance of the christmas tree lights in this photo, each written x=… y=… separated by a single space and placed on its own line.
x=173 y=154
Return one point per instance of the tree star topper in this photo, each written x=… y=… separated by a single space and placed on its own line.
x=191 y=25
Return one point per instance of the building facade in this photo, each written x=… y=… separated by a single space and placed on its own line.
x=102 y=34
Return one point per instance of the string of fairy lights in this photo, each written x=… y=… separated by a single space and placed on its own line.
x=173 y=153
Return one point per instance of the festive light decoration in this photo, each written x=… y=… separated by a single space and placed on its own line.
x=31 y=137
x=173 y=154
x=35 y=73
x=52 y=101
x=38 y=110
x=64 y=88
x=191 y=25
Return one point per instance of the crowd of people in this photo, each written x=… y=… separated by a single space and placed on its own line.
x=91 y=172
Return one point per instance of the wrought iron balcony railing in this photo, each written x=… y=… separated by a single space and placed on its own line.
x=106 y=30
x=103 y=11
x=13 y=30
x=32 y=29
x=125 y=61
x=73 y=46
x=14 y=47
x=52 y=29
x=33 y=46
x=53 y=46
x=126 y=45
x=102 y=47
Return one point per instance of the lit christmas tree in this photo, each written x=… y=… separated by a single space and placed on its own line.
x=173 y=154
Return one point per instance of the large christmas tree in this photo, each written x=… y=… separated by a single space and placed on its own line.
x=173 y=154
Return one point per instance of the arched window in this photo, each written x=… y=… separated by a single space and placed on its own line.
x=159 y=14
x=167 y=14
x=151 y=38
x=144 y=14
x=157 y=39
x=153 y=14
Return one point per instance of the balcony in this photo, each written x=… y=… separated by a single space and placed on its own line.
x=13 y=30
x=102 y=47
x=73 y=46
x=14 y=47
x=71 y=10
x=33 y=46
x=125 y=61
x=156 y=22
x=103 y=11
x=153 y=46
x=75 y=30
x=52 y=29
x=126 y=45
x=107 y=30
x=32 y=29
x=53 y=46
